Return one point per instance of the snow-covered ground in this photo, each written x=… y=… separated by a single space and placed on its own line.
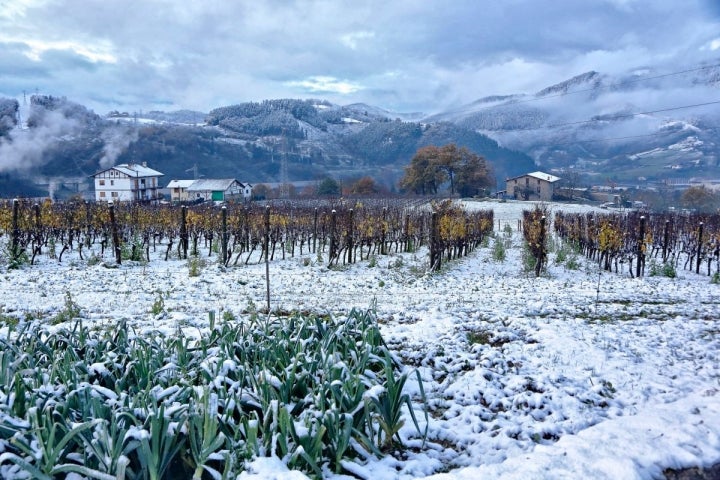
x=576 y=374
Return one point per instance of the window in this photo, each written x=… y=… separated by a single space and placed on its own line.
x=102 y=194
x=114 y=194
x=112 y=182
x=101 y=182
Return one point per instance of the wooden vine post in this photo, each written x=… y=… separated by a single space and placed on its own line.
x=640 y=248
x=14 y=246
x=699 y=247
x=333 y=240
x=183 y=232
x=315 y=231
x=407 y=232
x=266 y=248
x=350 y=236
x=383 y=232
x=666 y=237
x=224 y=240
x=541 y=248
x=115 y=236
x=435 y=254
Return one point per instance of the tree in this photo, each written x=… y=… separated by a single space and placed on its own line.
x=473 y=175
x=432 y=166
x=261 y=192
x=422 y=175
x=701 y=199
x=328 y=186
x=364 y=186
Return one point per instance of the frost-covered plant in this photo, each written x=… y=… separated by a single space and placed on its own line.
x=158 y=305
x=666 y=269
x=312 y=390
x=71 y=310
x=195 y=266
x=499 y=252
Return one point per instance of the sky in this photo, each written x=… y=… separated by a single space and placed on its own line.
x=401 y=55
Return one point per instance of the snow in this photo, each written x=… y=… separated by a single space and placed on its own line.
x=576 y=374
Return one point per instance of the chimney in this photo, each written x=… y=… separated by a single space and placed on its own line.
x=144 y=164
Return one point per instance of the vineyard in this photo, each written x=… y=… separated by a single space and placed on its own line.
x=238 y=234
x=399 y=342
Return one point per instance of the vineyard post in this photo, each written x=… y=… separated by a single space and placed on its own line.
x=383 y=232
x=407 y=232
x=115 y=237
x=350 y=236
x=543 y=253
x=640 y=248
x=266 y=247
x=183 y=232
x=223 y=210
x=666 y=236
x=699 y=247
x=38 y=224
x=333 y=245
x=88 y=224
x=15 y=229
x=315 y=221
x=38 y=236
x=434 y=254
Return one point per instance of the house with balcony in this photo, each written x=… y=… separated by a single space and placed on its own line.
x=128 y=182
x=532 y=186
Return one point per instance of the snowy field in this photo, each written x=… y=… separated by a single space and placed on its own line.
x=576 y=374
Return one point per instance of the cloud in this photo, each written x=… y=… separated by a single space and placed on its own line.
x=402 y=55
x=322 y=84
x=24 y=149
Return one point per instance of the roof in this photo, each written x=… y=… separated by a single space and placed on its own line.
x=179 y=183
x=211 y=184
x=539 y=175
x=133 y=170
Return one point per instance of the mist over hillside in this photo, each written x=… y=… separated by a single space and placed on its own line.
x=646 y=124
x=640 y=127
x=251 y=141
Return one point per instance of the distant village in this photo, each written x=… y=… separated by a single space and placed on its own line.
x=141 y=183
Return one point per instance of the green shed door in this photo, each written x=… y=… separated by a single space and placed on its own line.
x=217 y=195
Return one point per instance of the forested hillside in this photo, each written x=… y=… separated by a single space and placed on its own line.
x=249 y=141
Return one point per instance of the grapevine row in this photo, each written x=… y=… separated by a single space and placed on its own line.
x=344 y=231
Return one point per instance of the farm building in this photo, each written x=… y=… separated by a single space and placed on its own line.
x=532 y=186
x=218 y=190
x=128 y=182
x=178 y=190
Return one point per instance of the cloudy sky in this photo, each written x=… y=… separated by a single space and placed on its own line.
x=402 y=55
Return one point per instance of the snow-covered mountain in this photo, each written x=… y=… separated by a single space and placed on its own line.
x=645 y=123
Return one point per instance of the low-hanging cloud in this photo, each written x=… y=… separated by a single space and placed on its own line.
x=24 y=149
x=117 y=139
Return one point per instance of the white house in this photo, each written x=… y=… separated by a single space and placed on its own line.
x=127 y=183
x=178 y=190
x=218 y=190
